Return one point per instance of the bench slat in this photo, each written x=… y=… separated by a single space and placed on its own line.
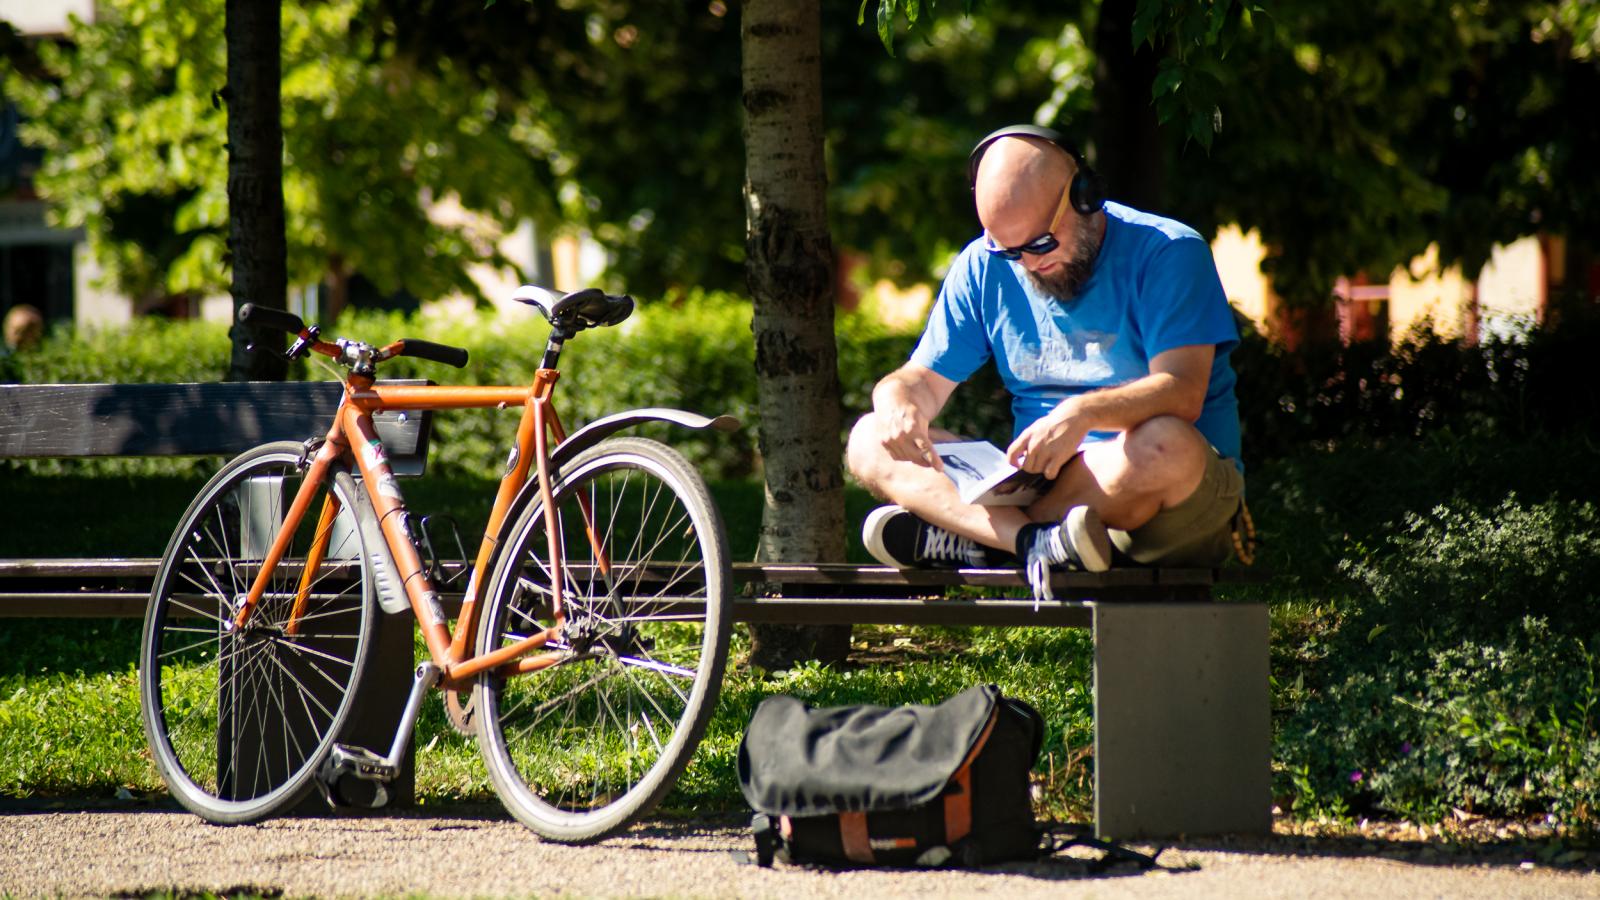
x=836 y=593
x=756 y=573
x=849 y=574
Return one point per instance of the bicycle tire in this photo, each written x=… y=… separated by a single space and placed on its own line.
x=641 y=659
x=238 y=722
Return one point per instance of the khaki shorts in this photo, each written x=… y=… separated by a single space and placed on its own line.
x=1198 y=532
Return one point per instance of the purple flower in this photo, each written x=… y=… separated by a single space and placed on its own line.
x=1405 y=749
x=1355 y=777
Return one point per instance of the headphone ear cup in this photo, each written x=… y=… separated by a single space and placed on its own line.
x=1088 y=191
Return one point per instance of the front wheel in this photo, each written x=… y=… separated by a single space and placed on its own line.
x=238 y=720
x=580 y=747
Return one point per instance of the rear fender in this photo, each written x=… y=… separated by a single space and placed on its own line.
x=602 y=428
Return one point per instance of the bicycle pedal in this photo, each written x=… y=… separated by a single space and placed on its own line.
x=358 y=762
x=349 y=792
x=355 y=778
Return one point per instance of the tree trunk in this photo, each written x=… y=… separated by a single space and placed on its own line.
x=1130 y=152
x=789 y=266
x=256 y=245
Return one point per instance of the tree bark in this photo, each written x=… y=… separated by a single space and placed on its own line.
x=256 y=243
x=789 y=267
x=1130 y=151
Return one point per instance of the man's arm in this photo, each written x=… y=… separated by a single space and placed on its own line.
x=906 y=401
x=1176 y=386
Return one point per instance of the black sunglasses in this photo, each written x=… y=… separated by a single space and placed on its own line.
x=1040 y=245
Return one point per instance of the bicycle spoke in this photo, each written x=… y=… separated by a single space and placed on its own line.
x=241 y=719
x=659 y=667
x=573 y=750
x=304 y=651
x=326 y=712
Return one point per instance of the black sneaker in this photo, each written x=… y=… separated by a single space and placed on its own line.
x=897 y=538
x=1078 y=542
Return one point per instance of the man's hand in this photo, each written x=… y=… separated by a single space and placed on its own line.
x=1176 y=386
x=905 y=402
x=905 y=436
x=1050 y=442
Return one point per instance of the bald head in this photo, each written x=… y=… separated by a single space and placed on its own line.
x=1020 y=178
x=1022 y=191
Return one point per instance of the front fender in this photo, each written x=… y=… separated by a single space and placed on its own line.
x=602 y=428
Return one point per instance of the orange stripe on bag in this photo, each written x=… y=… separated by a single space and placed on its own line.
x=958 y=803
x=853 y=836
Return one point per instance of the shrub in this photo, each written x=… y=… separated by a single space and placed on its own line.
x=147 y=349
x=1533 y=383
x=1464 y=676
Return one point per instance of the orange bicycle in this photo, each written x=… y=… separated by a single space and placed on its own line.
x=592 y=632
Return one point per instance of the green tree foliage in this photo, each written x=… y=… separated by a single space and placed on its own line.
x=636 y=105
x=1350 y=139
x=898 y=149
x=642 y=103
x=132 y=122
x=1353 y=141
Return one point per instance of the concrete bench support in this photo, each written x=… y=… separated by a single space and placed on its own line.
x=1183 y=732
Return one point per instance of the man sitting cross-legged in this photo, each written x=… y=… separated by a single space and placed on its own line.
x=1110 y=329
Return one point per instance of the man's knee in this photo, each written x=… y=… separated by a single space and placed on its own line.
x=864 y=453
x=1164 y=449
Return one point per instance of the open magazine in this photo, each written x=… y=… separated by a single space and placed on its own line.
x=983 y=476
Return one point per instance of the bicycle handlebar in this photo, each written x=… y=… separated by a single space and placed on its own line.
x=267 y=317
x=282 y=320
x=439 y=353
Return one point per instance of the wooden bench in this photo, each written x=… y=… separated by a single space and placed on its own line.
x=1181 y=707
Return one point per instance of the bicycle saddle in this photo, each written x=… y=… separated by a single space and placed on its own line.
x=588 y=308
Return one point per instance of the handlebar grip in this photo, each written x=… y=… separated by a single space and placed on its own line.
x=267 y=317
x=439 y=353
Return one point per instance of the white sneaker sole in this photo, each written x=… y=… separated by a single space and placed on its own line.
x=872 y=535
x=1089 y=538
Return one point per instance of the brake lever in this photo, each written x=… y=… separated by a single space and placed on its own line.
x=302 y=343
x=296 y=349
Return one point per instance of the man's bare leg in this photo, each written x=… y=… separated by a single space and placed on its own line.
x=926 y=492
x=1152 y=467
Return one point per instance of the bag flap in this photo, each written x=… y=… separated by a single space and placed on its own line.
x=799 y=761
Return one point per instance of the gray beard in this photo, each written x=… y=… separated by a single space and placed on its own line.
x=1065 y=283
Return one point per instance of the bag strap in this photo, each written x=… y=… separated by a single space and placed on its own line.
x=853 y=838
x=958 y=803
x=1061 y=835
x=767 y=840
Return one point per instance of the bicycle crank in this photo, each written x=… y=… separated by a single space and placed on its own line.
x=355 y=776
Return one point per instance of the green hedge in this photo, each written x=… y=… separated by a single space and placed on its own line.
x=1536 y=382
x=697 y=354
x=694 y=355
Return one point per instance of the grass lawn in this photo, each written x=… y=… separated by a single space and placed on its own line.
x=69 y=717
x=1378 y=709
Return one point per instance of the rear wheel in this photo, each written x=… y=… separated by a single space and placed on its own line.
x=578 y=749
x=238 y=720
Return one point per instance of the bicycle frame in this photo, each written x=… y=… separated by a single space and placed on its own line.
x=539 y=432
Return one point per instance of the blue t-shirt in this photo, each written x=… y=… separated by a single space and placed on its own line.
x=1154 y=287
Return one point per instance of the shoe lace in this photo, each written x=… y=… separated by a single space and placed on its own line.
x=1048 y=550
x=946 y=546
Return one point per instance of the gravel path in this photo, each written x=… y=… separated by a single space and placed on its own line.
x=479 y=853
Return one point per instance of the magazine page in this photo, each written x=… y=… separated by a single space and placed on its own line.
x=982 y=475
